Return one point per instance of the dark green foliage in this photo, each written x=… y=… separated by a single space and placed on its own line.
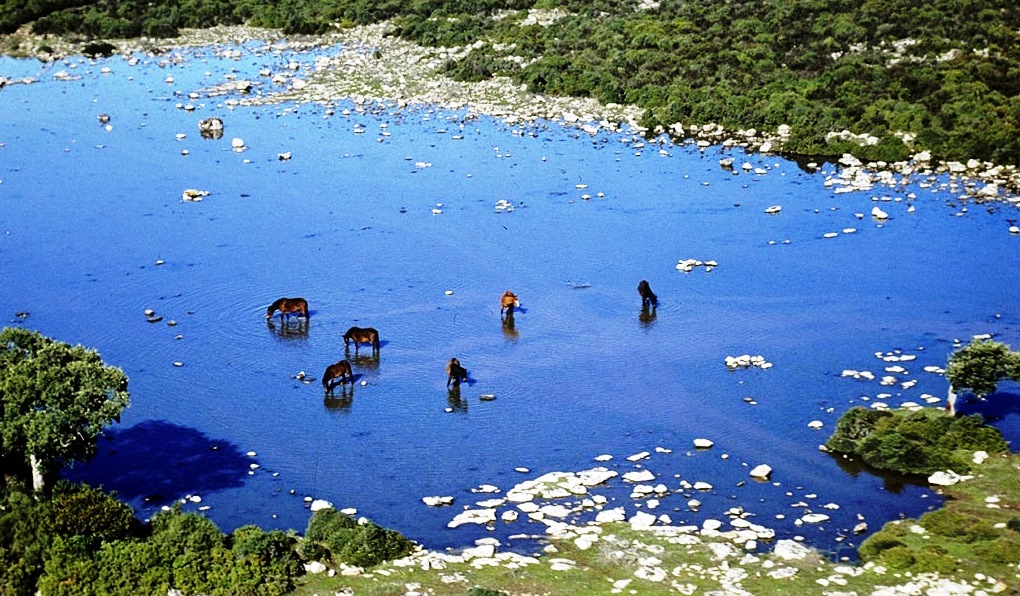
x=55 y=399
x=962 y=527
x=1014 y=524
x=345 y=540
x=877 y=544
x=96 y=49
x=919 y=442
x=980 y=366
x=74 y=555
x=91 y=516
x=478 y=591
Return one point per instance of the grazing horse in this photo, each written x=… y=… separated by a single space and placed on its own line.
x=648 y=297
x=362 y=335
x=287 y=306
x=455 y=373
x=341 y=370
x=507 y=302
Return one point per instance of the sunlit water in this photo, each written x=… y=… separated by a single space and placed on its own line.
x=348 y=223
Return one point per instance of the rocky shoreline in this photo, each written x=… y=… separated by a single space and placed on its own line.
x=377 y=70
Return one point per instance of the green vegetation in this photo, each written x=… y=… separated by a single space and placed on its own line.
x=335 y=537
x=921 y=442
x=980 y=366
x=55 y=400
x=946 y=71
x=966 y=536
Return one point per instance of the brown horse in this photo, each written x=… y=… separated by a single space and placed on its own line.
x=362 y=335
x=648 y=297
x=507 y=302
x=341 y=370
x=455 y=373
x=287 y=306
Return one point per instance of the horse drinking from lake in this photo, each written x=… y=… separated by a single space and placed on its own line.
x=362 y=335
x=287 y=307
x=507 y=303
x=340 y=370
x=455 y=373
x=648 y=297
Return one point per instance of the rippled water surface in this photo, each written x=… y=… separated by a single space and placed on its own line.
x=350 y=222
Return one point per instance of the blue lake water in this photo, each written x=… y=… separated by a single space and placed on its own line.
x=348 y=223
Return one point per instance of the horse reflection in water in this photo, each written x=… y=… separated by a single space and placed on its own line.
x=340 y=403
x=509 y=329
x=289 y=329
x=454 y=401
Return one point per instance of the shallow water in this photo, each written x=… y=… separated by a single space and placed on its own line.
x=348 y=223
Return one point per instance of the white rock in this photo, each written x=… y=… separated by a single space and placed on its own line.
x=878 y=213
x=761 y=471
x=814 y=518
x=237 y=143
x=788 y=550
x=703 y=443
x=314 y=567
x=611 y=515
x=473 y=516
x=319 y=504
x=944 y=478
x=639 y=476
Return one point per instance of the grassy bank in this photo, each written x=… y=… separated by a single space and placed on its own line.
x=671 y=562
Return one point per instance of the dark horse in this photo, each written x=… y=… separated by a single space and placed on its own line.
x=507 y=302
x=341 y=370
x=362 y=335
x=455 y=373
x=288 y=306
x=648 y=297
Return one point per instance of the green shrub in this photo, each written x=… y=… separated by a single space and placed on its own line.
x=957 y=525
x=1003 y=551
x=878 y=543
x=920 y=442
x=980 y=365
x=342 y=539
x=897 y=558
x=88 y=513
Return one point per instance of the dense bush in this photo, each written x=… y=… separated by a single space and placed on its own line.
x=919 y=442
x=84 y=541
x=980 y=366
x=334 y=536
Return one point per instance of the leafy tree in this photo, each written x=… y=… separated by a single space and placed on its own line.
x=55 y=400
x=980 y=366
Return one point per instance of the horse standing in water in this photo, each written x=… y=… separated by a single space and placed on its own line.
x=507 y=303
x=288 y=306
x=362 y=335
x=648 y=297
x=455 y=373
x=340 y=370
